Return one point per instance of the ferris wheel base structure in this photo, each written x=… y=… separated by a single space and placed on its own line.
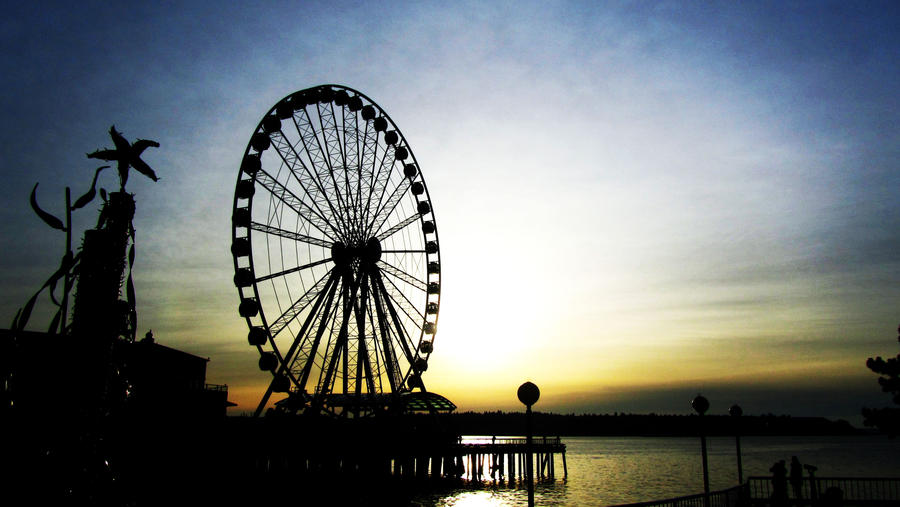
x=336 y=257
x=374 y=404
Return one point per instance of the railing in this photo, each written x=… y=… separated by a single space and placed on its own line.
x=510 y=441
x=216 y=387
x=819 y=491
x=827 y=490
x=731 y=497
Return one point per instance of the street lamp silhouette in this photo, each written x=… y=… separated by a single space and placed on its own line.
x=736 y=412
x=528 y=394
x=701 y=405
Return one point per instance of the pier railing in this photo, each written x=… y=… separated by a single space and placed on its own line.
x=843 y=491
x=510 y=441
x=816 y=492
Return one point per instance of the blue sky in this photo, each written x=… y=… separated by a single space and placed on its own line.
x=633 y=198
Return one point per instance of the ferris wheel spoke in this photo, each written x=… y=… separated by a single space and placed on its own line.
x=347 y=156
x=402 y=336
x=400 y=299
x=376 y=190
x=351 y=156
x=366 y=170
x=387 y=352
x=309 y=354
x=348 y=295
x=335 y=143
x=382 y=178
x=336 y=158
x=373 y=319
x=295 y=236
x=363 y=365
x=330 y=348
x=296 y=204
x=292 y=270
x=300 y=339
x=321 y=164
x=389 y=206
x=402 y=275
x=319 y=195
x=295 y=309
x=351 y=347
x=292 y=160
x=393 y=230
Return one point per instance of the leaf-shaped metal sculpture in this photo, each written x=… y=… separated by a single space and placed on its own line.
x=144 y=169
x=130 y=293
x=55 y=322
x=25 y=313
x=15 y=321
x=127 y=155
x=49 y=219
x=64 y=268
x=90 y=194
x=53 y=295
x=132 y=306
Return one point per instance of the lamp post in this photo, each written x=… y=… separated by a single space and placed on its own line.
x=528 y=394
x=701 y=405
x=736 y=412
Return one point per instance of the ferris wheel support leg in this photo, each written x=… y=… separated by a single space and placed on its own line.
x=264 y=400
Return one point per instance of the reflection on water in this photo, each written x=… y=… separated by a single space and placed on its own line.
x=610 y=470
x=488 y=494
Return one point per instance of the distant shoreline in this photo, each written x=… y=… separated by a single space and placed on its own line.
x=550 y=424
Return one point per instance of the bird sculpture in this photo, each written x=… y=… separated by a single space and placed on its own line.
x=127 y=155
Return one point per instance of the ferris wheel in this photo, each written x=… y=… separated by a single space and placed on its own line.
x=336 y=253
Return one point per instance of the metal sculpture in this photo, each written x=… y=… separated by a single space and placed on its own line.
x=99 y=282
x=108 y=257
x=336 y=254
x=68 y=265
x=127 y=155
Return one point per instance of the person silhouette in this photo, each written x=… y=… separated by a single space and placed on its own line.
x=779 y=484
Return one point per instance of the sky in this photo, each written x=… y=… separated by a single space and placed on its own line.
x=637 y=201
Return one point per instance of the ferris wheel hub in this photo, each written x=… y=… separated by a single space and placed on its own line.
x=356 y=253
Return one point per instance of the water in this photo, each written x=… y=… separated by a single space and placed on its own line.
x=617 y=470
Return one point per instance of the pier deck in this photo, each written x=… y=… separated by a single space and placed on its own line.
x=504 y=458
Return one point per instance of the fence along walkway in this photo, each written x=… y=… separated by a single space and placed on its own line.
x=731 y=497
x=837 y=491
x=819 y=491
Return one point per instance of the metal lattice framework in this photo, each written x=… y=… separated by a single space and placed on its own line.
x=336 y=252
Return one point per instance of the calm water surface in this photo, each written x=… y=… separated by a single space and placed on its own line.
x=616 y=470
